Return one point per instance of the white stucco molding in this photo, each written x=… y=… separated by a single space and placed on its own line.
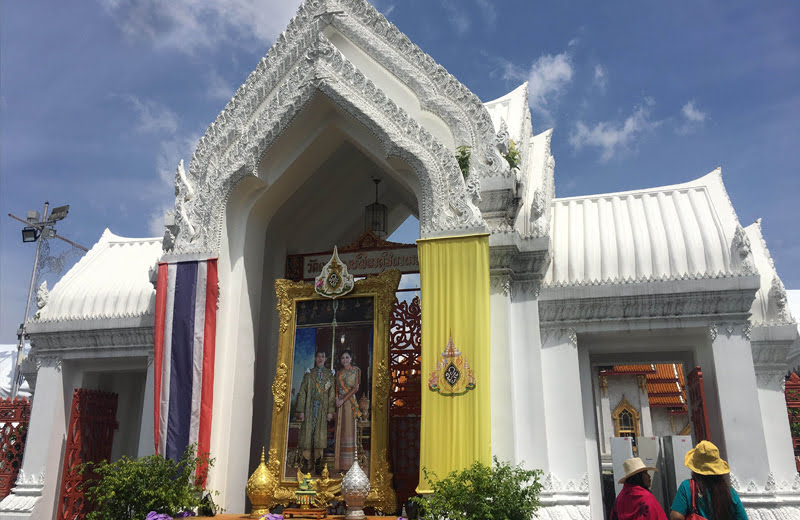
x=23 y=497
x=560 y=499
x=303 y=62
x=516 y=264
x=771 y=500
x=86 y=339
x=770 y=346
x=726 y=298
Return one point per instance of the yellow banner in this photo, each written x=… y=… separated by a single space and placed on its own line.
x=456 y=352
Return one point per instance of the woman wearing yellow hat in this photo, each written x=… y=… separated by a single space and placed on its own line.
x=714 y=498
x=635 y=501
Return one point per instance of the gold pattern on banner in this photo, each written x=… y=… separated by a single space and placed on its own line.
x=452 y=376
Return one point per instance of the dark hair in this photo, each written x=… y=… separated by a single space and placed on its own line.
x=321 y=352
x=636 y=480
x=347 y=351
x=719 y=489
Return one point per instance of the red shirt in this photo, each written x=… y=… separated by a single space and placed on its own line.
x=636 y=503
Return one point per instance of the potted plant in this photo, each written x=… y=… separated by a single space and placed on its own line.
x=481 y=492
x=148 y=488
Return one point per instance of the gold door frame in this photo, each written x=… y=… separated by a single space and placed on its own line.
x=382 y=288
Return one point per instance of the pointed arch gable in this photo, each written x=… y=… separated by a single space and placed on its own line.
x=252 y=121
x=227 y=143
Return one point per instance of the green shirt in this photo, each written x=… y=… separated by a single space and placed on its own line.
x=683 y=503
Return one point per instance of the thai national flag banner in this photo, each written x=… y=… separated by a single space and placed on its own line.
x=185 y=330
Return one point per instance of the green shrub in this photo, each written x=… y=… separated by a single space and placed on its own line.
x=131 y=488
x=480 y=492
x=512 y=156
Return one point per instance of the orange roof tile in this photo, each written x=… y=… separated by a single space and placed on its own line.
x=665 y=382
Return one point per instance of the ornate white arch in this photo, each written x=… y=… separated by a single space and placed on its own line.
x=302 y=63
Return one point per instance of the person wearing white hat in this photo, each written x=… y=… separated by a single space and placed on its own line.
x=635 y=501
x=708 y=493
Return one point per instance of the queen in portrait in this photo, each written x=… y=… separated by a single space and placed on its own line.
x=348 y=380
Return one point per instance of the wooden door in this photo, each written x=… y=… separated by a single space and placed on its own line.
x=697 y=401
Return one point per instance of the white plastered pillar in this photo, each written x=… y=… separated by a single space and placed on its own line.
x=565 y=380
x=37 y=487
x=605 y=420
x=644 y=401
x=530 y=435
x=501 y=369
x=770 y=347
x=563 y=404
x=740 y=410
x=146 y=429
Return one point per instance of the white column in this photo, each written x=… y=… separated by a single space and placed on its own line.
x=591 y=482
x=501 y=370
x=563 y=405
x=740 y=410
x=528 y=413
x=770 y=346
x=38 y=482
x=644 y=401
x=146 y=430
x=605 y=417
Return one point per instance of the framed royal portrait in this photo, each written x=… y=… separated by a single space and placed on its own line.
x=331 y=387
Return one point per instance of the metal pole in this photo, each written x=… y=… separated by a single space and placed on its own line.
x=21 y=331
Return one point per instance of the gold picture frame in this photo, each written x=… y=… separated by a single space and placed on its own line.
x=381 y=290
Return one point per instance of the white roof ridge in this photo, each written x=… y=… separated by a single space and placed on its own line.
x=523 y=88
x=714 y=175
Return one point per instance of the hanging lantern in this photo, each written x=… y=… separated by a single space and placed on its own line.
x=375 y=215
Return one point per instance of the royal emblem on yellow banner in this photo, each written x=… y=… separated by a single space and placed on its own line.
x=452 y=376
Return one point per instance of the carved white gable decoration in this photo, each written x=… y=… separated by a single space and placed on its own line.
x=303 y=62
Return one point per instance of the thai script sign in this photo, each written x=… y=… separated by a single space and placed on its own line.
x=359 y=263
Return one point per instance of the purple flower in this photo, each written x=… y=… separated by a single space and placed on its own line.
x=152 y=515
x=184 y=514
x=270 y=516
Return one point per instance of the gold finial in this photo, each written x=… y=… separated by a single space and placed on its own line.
x=260 y=488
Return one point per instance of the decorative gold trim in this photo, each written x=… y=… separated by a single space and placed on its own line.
x=604 y=384
x=624 y=405
x=382 y=288
x=687 y=430
x=280 y=385
x=642 y=380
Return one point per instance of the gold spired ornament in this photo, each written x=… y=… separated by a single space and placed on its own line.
x=334 y=280
x=452 y=376
x=260 y=487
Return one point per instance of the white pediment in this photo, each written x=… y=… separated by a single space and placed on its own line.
x=347 y=51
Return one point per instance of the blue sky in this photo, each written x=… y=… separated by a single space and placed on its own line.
x=100 y=99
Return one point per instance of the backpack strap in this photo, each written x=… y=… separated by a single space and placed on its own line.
x=694 y=505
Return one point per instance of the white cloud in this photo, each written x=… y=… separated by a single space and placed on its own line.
x=489 y=12
x=600 y=77
x=153 y=117
x=219 y=88
x=457 y=16
x=170 y=153
x=692 y=113
x=155 y=221
x=693 y=118
x=548 y=78
x=189 y=25
x=612 y=136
